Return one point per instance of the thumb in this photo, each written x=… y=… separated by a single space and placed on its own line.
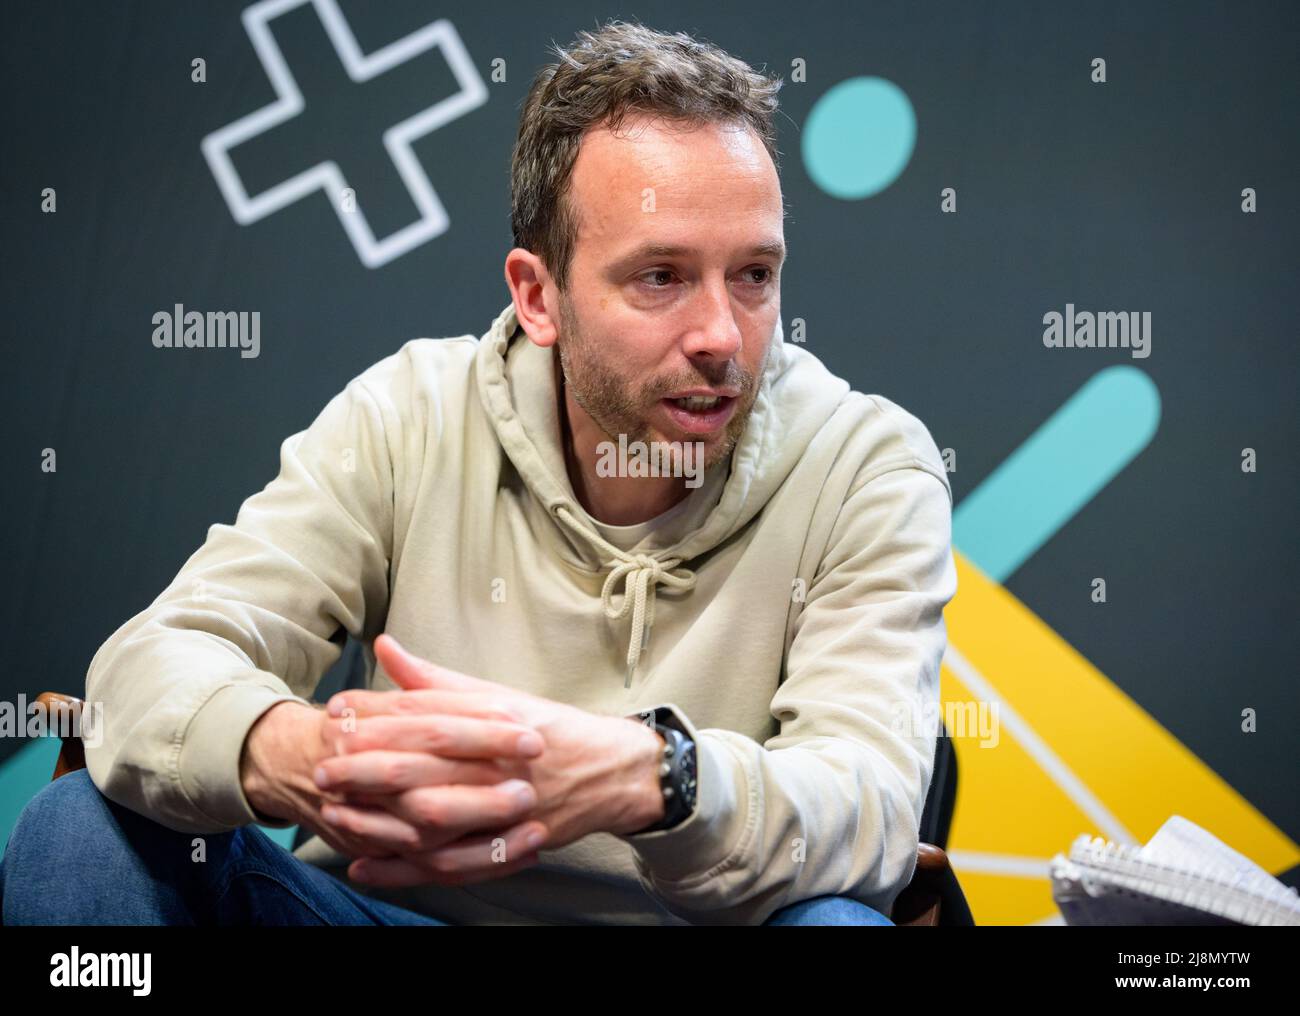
x=412 y=673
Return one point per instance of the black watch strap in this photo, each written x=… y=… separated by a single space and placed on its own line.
x=677 y=772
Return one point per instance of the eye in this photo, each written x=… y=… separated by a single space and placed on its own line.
x=652 y=274
x=766 y=276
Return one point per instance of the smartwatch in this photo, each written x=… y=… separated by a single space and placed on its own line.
x=677 y=773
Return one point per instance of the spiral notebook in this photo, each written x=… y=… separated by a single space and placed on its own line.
x=1184 y=875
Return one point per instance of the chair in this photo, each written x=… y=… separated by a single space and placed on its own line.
x=932 y=898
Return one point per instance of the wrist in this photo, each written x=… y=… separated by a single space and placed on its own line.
x=642 y=799
x=276 y=762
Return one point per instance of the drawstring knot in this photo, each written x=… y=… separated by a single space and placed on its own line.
x=641 y=574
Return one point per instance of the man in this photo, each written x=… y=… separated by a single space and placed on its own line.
x=607 y=685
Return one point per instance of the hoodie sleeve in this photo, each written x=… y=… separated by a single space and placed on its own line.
x=831 y=805
x=253 y=618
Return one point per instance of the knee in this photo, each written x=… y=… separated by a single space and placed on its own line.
x=76 y=857
x=60 y=816
x=829 y=910
x=68 y=806
x=55 y=808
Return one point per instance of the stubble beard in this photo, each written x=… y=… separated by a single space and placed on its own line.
x=621 y=408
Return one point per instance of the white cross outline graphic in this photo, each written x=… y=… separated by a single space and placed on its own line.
x=326 y=176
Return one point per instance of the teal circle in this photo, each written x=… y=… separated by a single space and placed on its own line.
x=859 y=137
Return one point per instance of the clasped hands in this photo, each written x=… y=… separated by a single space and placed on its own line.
x=452 y=779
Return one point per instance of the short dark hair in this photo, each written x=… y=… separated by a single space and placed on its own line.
x=603 y=75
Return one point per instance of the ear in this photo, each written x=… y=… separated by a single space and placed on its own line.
x=527 y=277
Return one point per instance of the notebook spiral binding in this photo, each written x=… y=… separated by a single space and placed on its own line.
x=1100 y=865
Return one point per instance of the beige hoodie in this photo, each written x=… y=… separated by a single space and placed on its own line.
x=796 y=607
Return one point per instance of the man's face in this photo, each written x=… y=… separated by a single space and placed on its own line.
x=639 y=326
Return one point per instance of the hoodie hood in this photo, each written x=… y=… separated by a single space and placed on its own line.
x=516 y=383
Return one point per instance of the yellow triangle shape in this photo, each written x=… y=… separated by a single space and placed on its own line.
x=1072 y=753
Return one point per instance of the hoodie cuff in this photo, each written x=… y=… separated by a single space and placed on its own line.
x=207 y=767
x=709 y=834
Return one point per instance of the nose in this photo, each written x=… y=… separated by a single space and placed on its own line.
x=716 y=335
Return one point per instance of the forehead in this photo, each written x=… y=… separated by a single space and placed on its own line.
x=694 y=177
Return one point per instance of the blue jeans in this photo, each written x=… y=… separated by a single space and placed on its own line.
x=75 y=857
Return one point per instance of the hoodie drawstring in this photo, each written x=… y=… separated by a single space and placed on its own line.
x=641 y=574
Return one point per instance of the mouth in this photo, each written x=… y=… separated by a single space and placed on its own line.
x=700 y=413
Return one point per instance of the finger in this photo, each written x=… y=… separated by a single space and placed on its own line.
x=486 y=850
x=357 y=702
x=449 y=869
x=447 y=736
x=336 y=839
x=387 y=772
x=413 y=673
x=342 y=841
x=379 y=828
x=457 y=810
x=396 y=872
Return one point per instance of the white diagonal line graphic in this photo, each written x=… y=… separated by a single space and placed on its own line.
x=999 y=864
x=1039 y=750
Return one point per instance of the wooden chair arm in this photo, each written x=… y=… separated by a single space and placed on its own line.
x=64 y=712
x=918 y=905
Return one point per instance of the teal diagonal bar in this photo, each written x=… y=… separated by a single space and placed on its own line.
x=1059 y=469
